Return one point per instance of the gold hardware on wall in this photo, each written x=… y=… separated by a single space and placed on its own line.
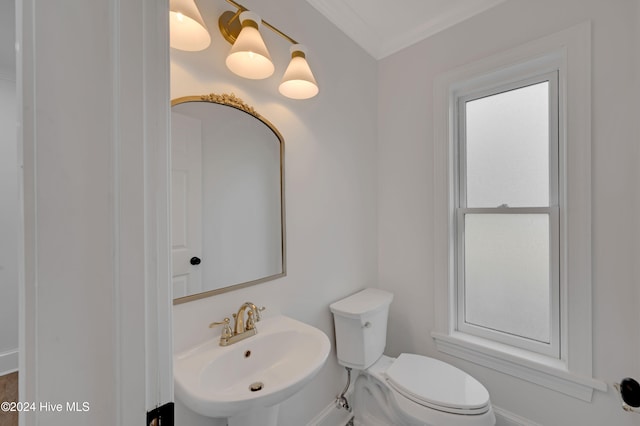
x=249 y=56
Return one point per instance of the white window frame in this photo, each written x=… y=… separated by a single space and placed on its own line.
x=568 y=52
x=551 y=348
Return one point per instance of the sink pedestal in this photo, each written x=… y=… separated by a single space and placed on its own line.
x=257 y=417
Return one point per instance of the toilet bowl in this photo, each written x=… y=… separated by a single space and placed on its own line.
x=411 y=390
x=449 y=398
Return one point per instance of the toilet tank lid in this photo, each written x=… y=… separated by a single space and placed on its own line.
x=366 y=301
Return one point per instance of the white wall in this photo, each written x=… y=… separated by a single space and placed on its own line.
x=8 y=193
x=330 y=182
x=406 y=191
x=8 y=220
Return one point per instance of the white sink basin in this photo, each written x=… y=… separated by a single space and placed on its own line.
x=216 y=381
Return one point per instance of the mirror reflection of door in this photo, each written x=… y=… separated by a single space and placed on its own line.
x=186 y=203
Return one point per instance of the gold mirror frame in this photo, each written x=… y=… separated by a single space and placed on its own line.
x=231 y=100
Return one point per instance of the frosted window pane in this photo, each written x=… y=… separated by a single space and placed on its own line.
x=507 y=273
x=507 y=148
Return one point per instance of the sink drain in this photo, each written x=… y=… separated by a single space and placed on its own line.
x=255 y=387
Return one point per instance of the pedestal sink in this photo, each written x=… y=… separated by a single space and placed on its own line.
x=247 y=381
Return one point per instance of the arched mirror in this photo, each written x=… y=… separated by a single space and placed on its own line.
x=227 y=183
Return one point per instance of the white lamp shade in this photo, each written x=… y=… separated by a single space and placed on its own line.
x=187 y=28
x=249 y=57
x=298 y=81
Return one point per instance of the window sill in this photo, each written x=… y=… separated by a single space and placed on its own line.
x=548 y=372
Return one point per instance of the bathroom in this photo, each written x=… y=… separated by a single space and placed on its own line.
x=361 y=210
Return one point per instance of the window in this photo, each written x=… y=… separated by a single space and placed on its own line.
x=507 y=214
x=512 y=213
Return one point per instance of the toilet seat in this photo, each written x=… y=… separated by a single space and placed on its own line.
x=437 y=385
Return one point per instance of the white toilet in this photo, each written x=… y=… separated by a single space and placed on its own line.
x=411 y=390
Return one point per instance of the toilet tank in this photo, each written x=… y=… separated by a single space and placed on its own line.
x=361 y=327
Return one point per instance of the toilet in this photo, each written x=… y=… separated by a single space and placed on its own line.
x=411 y=390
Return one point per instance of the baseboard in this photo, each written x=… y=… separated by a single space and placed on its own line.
x=331 y=416
x=8 y=362
x=507 y=418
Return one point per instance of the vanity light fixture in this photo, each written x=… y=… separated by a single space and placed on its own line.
x=249 y=56
x=298 y=81
x=187 y=28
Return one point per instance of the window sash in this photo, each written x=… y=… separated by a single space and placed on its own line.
x=462 y=99
x=553 y=347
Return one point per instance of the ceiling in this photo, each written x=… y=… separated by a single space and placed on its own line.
x=385 y=27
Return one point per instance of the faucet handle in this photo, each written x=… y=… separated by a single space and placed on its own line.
x=226 y=328
x=225 y=321
x=258 y=310
x=250 y=324
x=255 y=309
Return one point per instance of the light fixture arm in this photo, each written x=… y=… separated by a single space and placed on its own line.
x=228 y=27
x=236 y=15
x=277 y=31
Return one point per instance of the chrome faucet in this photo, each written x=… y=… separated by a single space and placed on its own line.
x=240 y=331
